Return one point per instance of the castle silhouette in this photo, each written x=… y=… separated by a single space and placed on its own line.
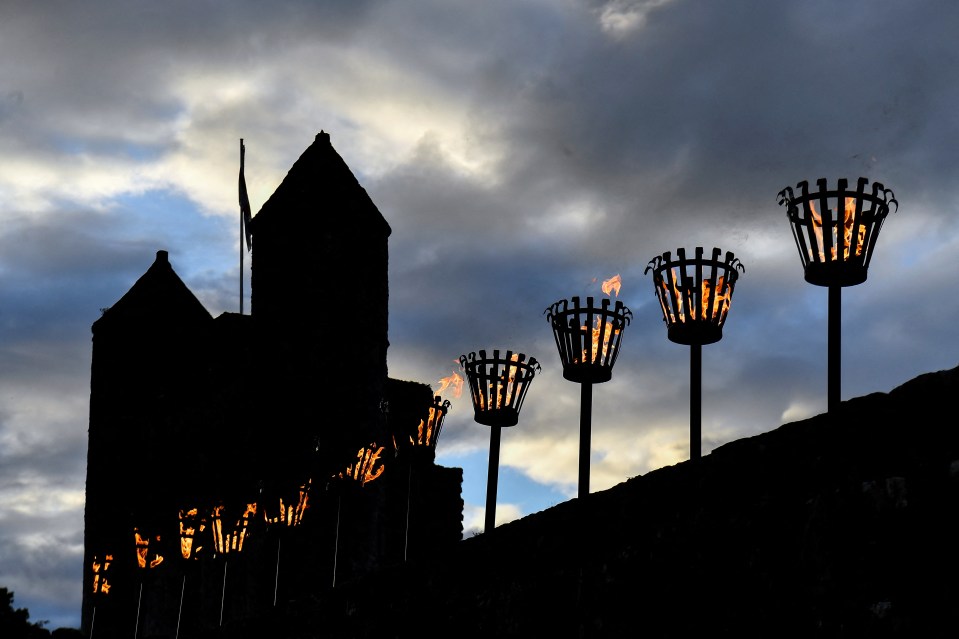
x=238 y=460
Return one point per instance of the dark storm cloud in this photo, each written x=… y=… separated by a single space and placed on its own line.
x=73 y=244
x=714 y=105
x=10 y=102
x=57 y=272
x=45 y=457
x=138 y=30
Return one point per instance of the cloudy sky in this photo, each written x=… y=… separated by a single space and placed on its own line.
x=522 y=151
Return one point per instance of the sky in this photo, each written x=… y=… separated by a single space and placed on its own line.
x=523 y=152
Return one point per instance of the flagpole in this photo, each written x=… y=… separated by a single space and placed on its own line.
x=242 y=230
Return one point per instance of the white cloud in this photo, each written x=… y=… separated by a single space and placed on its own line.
x=620 y=18
x=474 y=517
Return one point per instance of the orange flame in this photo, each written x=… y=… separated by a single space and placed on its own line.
x=365 y=469
x=233 y=539
x=427 y=426
x=188 y=531
x=675 y=295
x=613 y=285
x=100 y=583
x=424 y=432
x=720 y=303
x=597 y=333
x=848 y=216
x=849 y=213
x=291 y=514
x=454 y=382
x=143 y=551
x=502 y=389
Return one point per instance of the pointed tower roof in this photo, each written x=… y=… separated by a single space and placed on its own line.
x=320 y=184
x=159 y=296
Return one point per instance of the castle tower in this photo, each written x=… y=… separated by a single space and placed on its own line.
x=147 y=373
x=320 y=307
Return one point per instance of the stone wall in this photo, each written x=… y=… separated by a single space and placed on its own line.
x=835 y=526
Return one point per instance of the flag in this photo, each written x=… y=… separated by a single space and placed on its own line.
x=246 y=216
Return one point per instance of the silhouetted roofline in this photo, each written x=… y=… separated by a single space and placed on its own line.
x=319 y=174
x=159 y=295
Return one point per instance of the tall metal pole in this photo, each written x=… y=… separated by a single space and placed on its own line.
x=585 y=427
x=136 y=628
x=695 y=401
x=585 y=430
x=226 y=564
x=492 y=478
x=834 y=348
x=276 y=579
x=179 y=613
x=336 y=540
x=409 y=489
